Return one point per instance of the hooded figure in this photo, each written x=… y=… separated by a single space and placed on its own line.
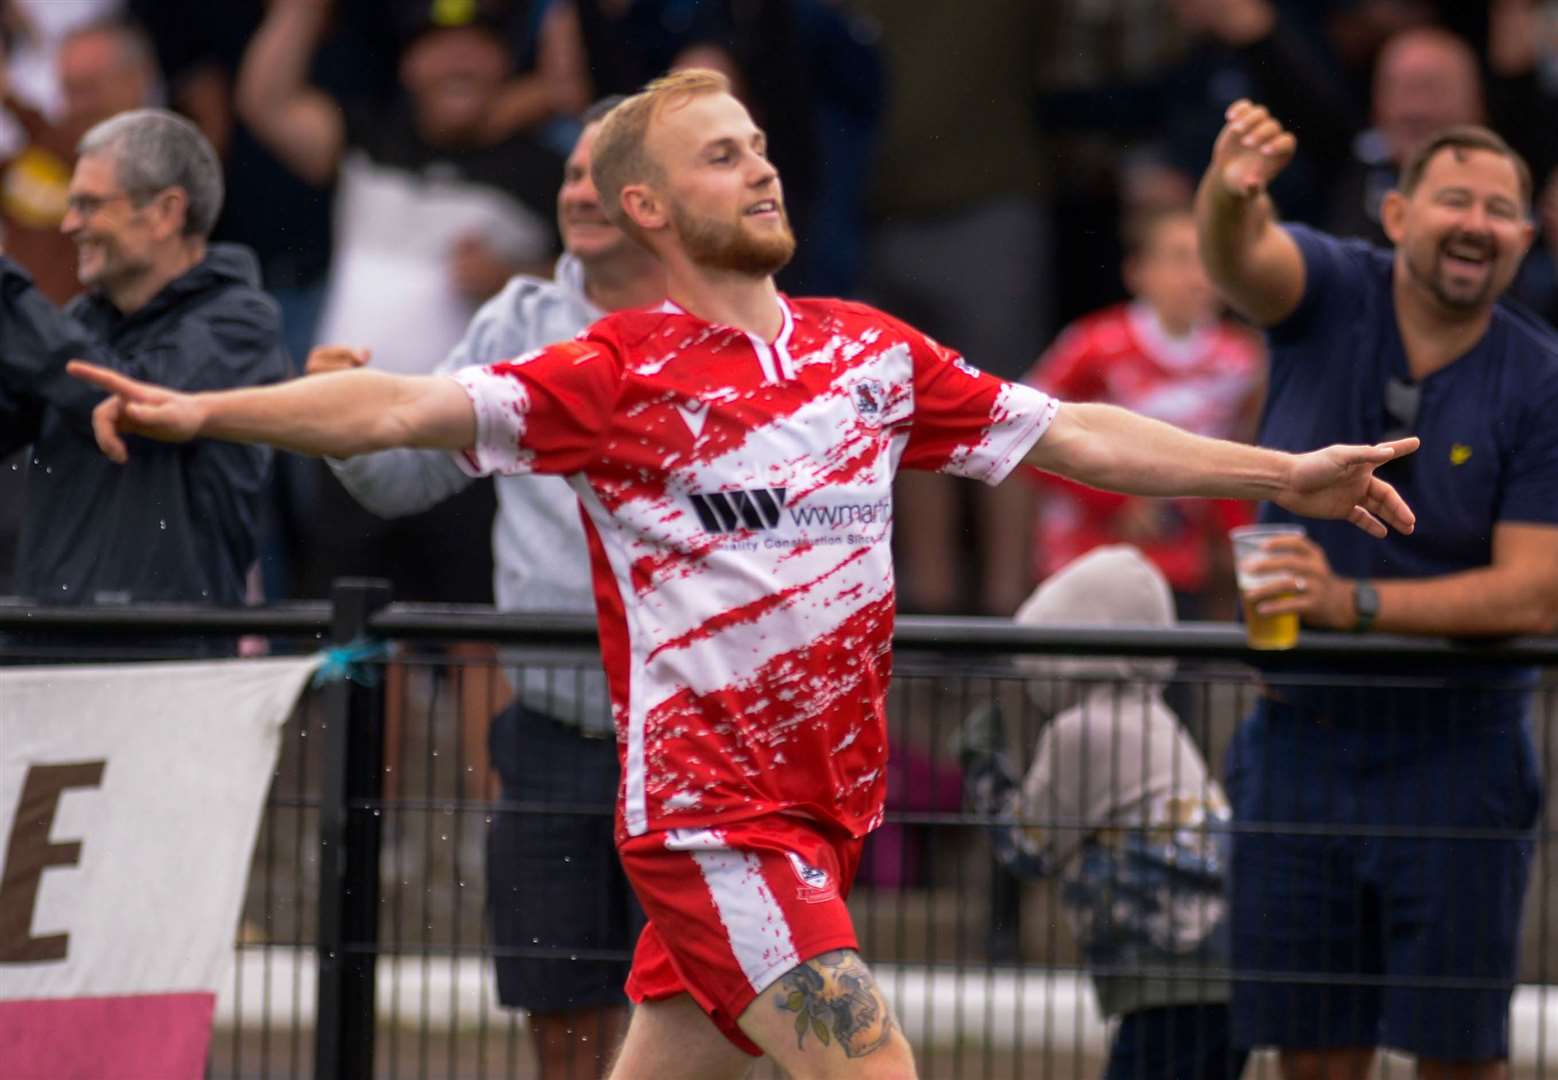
x=1118 y=803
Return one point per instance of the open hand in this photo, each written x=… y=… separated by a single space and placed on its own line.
x=1339 y=482
x=137 y=408
x=1251 y=150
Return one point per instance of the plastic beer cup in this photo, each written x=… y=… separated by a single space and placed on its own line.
x=1262 y=631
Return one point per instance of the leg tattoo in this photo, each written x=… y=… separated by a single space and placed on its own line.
x=835 y=998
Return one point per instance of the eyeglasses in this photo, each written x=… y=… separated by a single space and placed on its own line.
x=1403 y=401
x=87 y=205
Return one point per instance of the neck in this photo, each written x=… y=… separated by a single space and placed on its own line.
x=631 y=279
x=132 y=295
x=1433 y=334
x=720 y=296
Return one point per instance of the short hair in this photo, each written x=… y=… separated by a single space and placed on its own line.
x=618 y=157
x=154 y=150
x=1459 y=139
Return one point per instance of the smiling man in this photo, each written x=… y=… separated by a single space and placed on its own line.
x=733 y=451
x=161 y=304
x=1369 y=344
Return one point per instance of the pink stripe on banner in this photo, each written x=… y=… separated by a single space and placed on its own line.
x=107 y=1038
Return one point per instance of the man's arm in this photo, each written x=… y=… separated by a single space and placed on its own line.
x=1254 y=262
x=1118 y=450
x=36 y=340
x=1517 y=593
x=340 y=414
x=300 y=124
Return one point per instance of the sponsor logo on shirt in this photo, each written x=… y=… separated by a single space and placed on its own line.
x=762 y=509
x=730 y=511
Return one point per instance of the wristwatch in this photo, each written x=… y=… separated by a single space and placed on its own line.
x=1365 y=600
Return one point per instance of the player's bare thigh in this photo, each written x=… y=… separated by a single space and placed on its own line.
x=674 y=1037
x=827 y=1018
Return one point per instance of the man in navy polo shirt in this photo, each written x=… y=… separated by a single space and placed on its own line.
x=1366 y=344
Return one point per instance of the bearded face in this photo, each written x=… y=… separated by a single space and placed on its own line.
x=757 y=243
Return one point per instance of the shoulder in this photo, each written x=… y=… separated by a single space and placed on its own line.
x=636 y=327
x=1528 y=342
x=1324 y=253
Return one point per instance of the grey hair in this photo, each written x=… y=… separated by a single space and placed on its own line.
x=154 y=150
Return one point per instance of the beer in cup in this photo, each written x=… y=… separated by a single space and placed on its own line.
x=1249 y=543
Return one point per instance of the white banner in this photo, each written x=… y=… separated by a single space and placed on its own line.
x=130 y=797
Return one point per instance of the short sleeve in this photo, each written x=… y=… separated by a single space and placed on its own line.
x=543 y=412
x=1531 y=488
x=967 y=422
x=1335 y=273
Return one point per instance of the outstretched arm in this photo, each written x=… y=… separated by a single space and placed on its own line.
x=341 y=414
x=1118 y=450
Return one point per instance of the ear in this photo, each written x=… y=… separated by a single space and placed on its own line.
x=1393 y=215
x=644 y=207
x=172 y=209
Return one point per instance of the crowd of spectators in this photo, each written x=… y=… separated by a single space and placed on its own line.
x=391 y=165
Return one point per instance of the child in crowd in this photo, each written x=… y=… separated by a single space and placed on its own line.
x=1169 y=354
x=1120 y=806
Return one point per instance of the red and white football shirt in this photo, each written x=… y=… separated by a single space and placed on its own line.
x=737 y=501
x=1206 y=382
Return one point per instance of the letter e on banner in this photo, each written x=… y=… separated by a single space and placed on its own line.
x=29 y=852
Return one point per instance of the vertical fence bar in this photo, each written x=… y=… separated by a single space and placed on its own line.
x=349 y=849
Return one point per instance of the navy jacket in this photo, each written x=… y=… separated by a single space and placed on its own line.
x=178 y=522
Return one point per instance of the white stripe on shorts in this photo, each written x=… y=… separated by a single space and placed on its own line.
x=755 y=926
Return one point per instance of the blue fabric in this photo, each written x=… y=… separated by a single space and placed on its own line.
x=1490 y=443
x=1185 y=1042
x=1380 y=887
x=1330 y=361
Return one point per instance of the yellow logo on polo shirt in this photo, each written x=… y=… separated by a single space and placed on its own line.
x=1460 y=453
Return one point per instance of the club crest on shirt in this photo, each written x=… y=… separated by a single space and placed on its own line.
x=869 y=398
x=817 y=884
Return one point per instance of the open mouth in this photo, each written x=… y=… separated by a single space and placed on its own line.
x=1467 y=256
x=768 y=207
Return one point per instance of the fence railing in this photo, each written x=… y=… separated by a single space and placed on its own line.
x=365 y=949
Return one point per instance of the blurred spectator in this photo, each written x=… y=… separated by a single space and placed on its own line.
x=959 y=245
x=104 y=68
x=1353 y=889
x=553 y=745
x=175 y=523
x=1170 y=355
x=35 y=29
x=480 y=202
x=1427 y=78
x=1120 y=806
x=812 y=75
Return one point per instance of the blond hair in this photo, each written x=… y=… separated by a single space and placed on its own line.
x=619 y=157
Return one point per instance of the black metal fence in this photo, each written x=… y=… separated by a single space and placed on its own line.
x=364 y=950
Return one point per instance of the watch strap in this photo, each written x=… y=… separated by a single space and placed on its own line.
x=1365 y=601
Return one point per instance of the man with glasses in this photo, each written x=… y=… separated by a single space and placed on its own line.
x=1368 y=344
x=161 y=303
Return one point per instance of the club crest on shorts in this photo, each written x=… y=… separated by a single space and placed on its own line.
x=817 y=884
x=869 y=398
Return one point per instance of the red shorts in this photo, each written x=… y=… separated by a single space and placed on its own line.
x=732 y=909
